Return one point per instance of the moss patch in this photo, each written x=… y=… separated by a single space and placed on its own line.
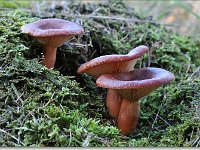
x=41 y=107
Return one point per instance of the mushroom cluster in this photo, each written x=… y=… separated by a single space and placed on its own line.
x=125 y=84
x=52 y=33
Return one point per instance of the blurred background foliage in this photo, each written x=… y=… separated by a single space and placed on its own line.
x=184 y=16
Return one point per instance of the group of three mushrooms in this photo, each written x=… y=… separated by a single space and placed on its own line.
x=125 y=84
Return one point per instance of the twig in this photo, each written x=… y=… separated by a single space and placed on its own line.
x=164 y=120
x=70 y=137
x=7 y=8
x=78 y=45
x=157 y=115
x=19 y=95
x=87 y=140
x=103 y=140
x=92 y=54
x=25 y=117
x=118 y=18
x=149 y=58
x=12 y=136
x=196 y=142
x=155 y=119
x=125 y=36
x=96 y=10
x=50 y=100
x=82 y=126
x=196 y=72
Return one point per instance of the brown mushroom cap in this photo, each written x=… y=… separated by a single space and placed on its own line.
x=113 y=63
x=136 y=83
x=46 y=30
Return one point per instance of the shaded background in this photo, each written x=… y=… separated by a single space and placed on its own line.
x=182 y=16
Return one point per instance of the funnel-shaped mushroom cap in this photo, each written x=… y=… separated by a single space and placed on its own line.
x=113 y=63
x=137 y=83
x=52 y=32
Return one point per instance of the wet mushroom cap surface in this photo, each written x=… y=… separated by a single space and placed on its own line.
x=136 y=79
x=113 y=63
x=52 y=27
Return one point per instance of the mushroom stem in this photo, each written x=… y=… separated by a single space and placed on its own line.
x=49 y=57
x=113 y=102
x=128 y=116
x=125 y=111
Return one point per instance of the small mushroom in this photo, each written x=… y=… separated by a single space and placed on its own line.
x=129 y=88
x=113 y=64
x=52 y=33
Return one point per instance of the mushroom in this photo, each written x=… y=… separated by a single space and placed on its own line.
x=113 y=64
x=129 y=87
x=52 y=33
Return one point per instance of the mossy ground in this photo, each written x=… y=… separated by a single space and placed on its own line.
x=41 y=107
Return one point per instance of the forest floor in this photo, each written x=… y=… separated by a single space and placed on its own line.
x=41 y=107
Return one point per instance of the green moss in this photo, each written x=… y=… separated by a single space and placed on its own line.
x=14 y=4
x=34 y=99
x=41 y=107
